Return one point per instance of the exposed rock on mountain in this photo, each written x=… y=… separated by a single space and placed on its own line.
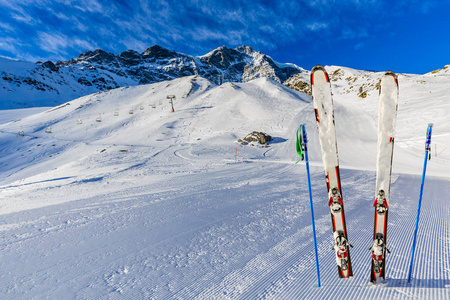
x=299 y=83
x=49 y=83
x=256 y=137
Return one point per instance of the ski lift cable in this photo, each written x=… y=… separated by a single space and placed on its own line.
x=65 y=118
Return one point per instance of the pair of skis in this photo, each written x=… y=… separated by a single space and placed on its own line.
x=323 y=108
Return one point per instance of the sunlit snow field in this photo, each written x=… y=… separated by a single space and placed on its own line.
x=160 y=205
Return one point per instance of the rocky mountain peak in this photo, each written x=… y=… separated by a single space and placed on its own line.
x=98 y=70
x=97 y=56
x=223 y=57
x=246 y=49
x=158 y=52
x=50 y=65
x=130 y=57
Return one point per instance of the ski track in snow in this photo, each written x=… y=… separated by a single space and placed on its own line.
x=243 y=247
x=167 y=213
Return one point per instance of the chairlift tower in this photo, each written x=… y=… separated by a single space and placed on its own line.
x=171 y=98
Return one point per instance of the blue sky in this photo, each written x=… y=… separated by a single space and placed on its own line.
x=403 y=36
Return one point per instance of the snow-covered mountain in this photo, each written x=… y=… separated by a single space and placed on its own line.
x=46 y=84
x=112 y=195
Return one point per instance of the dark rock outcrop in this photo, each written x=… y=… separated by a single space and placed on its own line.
x=257 y=137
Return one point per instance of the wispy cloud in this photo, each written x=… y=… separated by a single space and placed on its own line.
x=23 y=18
x=133 y=44
x=91 y=6
x=181 y=25
x=9 y=44
x=50 y=29
x=84 y=44
x=16 y=12
x=317 y=26
x=6 y=27
x=52 y=42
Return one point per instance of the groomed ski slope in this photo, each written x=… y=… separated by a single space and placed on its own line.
x=155 y=205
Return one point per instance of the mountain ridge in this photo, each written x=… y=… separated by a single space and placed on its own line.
x=43 y=84
x=48 y=83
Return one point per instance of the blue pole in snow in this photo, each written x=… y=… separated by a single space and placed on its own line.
x=427 y=150
x=303 y=144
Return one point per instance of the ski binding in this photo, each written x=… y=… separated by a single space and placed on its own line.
x=335 y=201
x=378 y=250
x=380 y=203
x=341 y=246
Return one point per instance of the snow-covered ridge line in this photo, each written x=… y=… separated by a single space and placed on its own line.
x=46 y=84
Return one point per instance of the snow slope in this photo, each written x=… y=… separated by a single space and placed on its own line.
x=156 y=205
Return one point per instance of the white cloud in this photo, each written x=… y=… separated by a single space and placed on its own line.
x=81 y=26
x=196 y=25
x=204 y=33
x=6 y=27
x=9 y=44
x=24 y=17
x=134 y=44
x=267 y=28
x=106 y=33
x=8 y=4
x=59 y=15
x=317 y=26
x=83 y=44
x=233 y=15
x=263 y=43
x=92 y=6
x=54 y=43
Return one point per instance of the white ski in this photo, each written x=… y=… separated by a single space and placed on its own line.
x=323 y=108
x=387 y=113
